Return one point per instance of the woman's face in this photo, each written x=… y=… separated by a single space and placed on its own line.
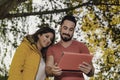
x=45 y=39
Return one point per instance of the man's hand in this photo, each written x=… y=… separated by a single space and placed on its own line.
x=56 y=70
x=86 y=68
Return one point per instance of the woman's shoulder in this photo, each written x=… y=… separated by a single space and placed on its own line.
x=24 y=45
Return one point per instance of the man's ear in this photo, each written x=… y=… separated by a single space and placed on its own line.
x=59 y=28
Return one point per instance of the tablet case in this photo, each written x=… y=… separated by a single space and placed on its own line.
x=70 y=61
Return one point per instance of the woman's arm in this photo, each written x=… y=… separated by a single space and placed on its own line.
x=16 y=67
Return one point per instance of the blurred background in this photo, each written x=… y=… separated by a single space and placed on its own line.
x=98 y=26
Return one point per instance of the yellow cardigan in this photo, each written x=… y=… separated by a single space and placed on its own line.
x=25 y=62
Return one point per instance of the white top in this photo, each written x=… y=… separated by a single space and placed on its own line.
x=41 y=71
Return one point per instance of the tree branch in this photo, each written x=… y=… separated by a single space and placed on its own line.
x=53 y=11
x=42 y=13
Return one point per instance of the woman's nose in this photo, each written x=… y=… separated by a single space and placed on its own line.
x=48 y=41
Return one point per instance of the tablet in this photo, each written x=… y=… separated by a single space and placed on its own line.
x=70 y=61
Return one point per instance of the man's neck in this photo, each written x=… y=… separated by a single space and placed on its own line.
x=66 y=44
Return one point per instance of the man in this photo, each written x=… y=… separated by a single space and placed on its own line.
x=67 y=44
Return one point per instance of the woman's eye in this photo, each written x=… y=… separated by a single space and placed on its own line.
x=47 y=36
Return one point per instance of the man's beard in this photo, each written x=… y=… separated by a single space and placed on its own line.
x=66 y=38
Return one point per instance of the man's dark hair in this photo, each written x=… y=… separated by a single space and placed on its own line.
x=69 y=17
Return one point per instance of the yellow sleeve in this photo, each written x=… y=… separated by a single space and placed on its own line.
x=16 y=67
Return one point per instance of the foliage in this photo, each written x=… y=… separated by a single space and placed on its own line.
x=3 y=77
x=98 y=20
x=103 y=38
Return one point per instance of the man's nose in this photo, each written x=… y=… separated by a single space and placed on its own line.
x=67 y=31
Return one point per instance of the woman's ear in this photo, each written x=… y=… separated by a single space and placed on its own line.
x=39 y=35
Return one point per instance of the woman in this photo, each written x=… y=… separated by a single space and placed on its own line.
x=28 y=62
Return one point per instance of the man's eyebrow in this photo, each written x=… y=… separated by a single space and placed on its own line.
x=64 y=26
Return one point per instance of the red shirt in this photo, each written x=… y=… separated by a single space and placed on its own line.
x=57 y=50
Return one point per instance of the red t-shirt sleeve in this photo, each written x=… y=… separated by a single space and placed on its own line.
x=84 y=49
x=81 y=46
x=50 y=51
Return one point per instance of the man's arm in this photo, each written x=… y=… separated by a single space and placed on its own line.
x=51 y=68
x=49 y=64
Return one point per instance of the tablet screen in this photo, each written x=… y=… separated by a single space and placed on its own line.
x=70 y=61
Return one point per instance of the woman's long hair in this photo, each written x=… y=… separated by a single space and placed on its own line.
x=41 y=31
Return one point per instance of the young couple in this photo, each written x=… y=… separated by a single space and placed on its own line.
x=37 y=56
